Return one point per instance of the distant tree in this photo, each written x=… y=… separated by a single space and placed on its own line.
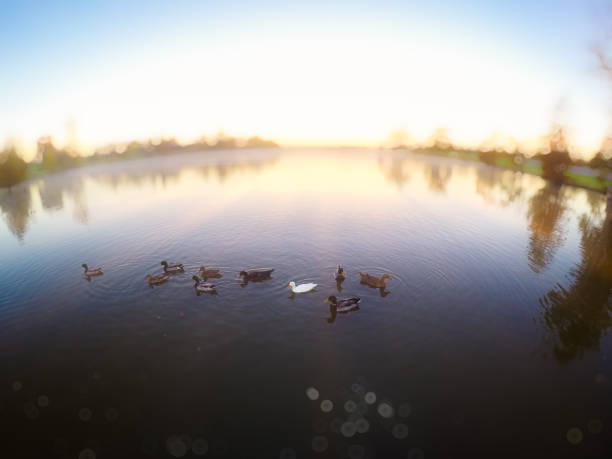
x=599 y=161
x=257 y=142
x=12 y=168
x=556 y=162
x=439 y=139
x=47 y=153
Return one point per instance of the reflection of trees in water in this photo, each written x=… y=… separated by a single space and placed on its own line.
x=597 y=202
x=437 y=176
x=52 y=192
x=15 y=204
x=499 y=186
x=546 y=225
x=225 y=171
x=51 y=195
x=581 y=314
x=395 y=168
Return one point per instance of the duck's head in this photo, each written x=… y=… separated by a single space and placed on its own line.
x=84 y=265
x=243 y=274
x=331 y=299
x=291 y=285
x=386 y=276
x=164 y=263
x=195 y=278
x=148 y=277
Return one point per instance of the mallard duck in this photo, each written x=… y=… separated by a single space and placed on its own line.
x=255 y=274
x=89 y=272
x=205 y=273
x=172 y=268
x=302 y=288
x=345 y=304
x=202 y=286
x=374 y=281
x=155 y=280
x=339 y=274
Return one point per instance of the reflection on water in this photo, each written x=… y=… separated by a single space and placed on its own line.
x=546 y=226
x=581 y=314
x=17 y=203
x=437 y=176
x=16 y=209
x=499 y=186
x=395 y=167
x=114 y=368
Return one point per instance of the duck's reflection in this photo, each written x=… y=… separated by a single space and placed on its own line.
x=546 y=224
x=333 y=312
x=579 y=315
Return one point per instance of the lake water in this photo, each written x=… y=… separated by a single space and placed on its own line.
x=491 y=339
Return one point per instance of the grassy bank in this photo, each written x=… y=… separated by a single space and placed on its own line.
x=572 y=175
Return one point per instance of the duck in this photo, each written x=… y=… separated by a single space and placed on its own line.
x=202 y=286
x=345 y=304
x=89 y=272
x=339 y=274
x=255 y=274
x=205 y=273
x=374 y=281
x=156 y=280
x=302 y=288
x=172 y=268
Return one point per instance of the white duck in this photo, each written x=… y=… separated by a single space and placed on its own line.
x=302 y=288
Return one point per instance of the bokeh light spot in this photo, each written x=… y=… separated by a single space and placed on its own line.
x=31 y=410
x=319 y=444
x=199 y=446
x=362 y=425
x=400 y=431
x=348 y=429
x=574 y=435
x=350 y=406
x=327 y=406
x=287 y=453
x=385 y=410
x=416 y=453
x=87 y=453
x=112 y=415
x=370 y=398
x=312 y=393
x=85 y=414
x=176 y=446
x=595 y=426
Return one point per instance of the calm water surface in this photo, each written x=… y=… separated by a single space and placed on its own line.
x=490 y=340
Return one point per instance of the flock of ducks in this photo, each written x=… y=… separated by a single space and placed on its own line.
x=256 y=275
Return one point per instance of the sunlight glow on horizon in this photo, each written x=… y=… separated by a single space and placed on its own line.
x=350 y=83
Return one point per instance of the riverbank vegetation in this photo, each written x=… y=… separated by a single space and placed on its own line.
x=49 y=158
x=553 y=162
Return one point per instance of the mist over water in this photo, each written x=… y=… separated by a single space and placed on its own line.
x=492 y=338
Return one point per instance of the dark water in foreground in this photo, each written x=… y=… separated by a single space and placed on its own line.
x=491 y=340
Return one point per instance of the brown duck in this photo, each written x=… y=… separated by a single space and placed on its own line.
x=374 y=281
x=206 y=273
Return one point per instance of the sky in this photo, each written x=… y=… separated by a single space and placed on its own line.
x=301 y=73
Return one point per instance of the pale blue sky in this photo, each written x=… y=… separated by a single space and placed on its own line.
x=300 y=72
